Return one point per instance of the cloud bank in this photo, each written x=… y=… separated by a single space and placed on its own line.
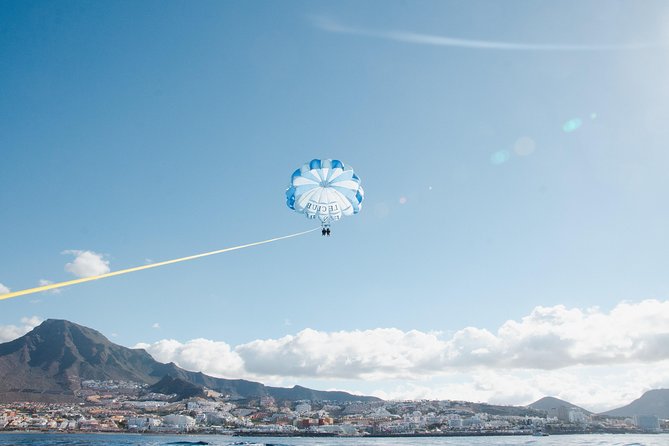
x=587 y=356
x=86 y=263
x=11 y=332
x=333 y=26
x=549 y=338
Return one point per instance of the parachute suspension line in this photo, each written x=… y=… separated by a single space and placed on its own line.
x=143 y=267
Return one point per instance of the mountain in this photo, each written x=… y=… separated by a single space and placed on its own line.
x=49 y=364
x=549 y=403
x=177 y=386
x=654 y=402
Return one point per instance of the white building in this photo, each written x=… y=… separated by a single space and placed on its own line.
x=67 y=425
x=455 y=422
x=143 y=423
x=147 y=404
x=472 y=422
x=180 y=422
x=576 y=416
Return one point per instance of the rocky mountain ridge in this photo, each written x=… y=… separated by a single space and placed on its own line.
x=50 y=363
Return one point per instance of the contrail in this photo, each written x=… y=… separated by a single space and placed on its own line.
x=436 y=40
x=140 y=268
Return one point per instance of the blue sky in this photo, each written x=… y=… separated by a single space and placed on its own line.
x=153 y=130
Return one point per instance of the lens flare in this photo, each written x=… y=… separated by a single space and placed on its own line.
x=572 y=125
x=500 y=157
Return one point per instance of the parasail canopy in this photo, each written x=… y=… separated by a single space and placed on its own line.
x=325 y=189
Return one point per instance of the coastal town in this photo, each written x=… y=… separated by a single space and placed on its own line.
x=122 y=406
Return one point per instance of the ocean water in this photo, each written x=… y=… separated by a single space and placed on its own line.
x=40 y=439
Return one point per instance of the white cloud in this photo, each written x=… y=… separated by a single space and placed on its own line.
x=155 y=325
x=4 y=289
x=11 y=332
x=211 y=357
x=630 y=332
x=86 y=263
x=332 y=26
x=368 y=354
x=578 y=354
x=548 y=338
x=43 y=282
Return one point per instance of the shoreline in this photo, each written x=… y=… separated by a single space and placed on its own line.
x=326 y=435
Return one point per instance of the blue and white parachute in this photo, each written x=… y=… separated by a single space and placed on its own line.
x=325 y=189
